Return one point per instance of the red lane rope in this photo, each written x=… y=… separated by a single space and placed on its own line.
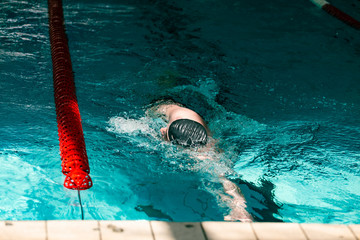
x=327 y=7
x=74 y=159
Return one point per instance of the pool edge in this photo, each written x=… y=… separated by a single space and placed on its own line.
x=160 y=230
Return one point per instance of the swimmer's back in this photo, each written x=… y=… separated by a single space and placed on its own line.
x=176 y=112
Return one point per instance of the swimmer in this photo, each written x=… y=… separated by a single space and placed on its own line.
x=187 y=128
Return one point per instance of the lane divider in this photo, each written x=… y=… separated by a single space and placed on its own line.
x=75 y=165
x=327 y=7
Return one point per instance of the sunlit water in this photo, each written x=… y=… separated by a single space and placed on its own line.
x=277 y=83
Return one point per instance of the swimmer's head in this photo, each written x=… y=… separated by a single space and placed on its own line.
x=186 y=132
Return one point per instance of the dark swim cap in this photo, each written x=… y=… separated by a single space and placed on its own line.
x=186 y=132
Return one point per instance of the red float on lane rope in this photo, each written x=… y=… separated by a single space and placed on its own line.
x=337 y=13
x=74 y=159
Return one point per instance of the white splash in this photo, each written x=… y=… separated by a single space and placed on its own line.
x=123 y=125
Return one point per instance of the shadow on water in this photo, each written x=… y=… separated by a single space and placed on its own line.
x=260 y=200
x=151 y=212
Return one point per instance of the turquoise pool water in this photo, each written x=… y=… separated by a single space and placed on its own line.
x=278 y=84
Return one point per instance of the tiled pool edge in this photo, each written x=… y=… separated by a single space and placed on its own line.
x=158 y=230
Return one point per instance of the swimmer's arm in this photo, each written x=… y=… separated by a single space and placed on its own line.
x=234 y=196
x=236 y=201
x=209 y=151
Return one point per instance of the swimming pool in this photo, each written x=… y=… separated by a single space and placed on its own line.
x=277 y=84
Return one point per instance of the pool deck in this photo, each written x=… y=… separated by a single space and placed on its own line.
x=158 y=230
